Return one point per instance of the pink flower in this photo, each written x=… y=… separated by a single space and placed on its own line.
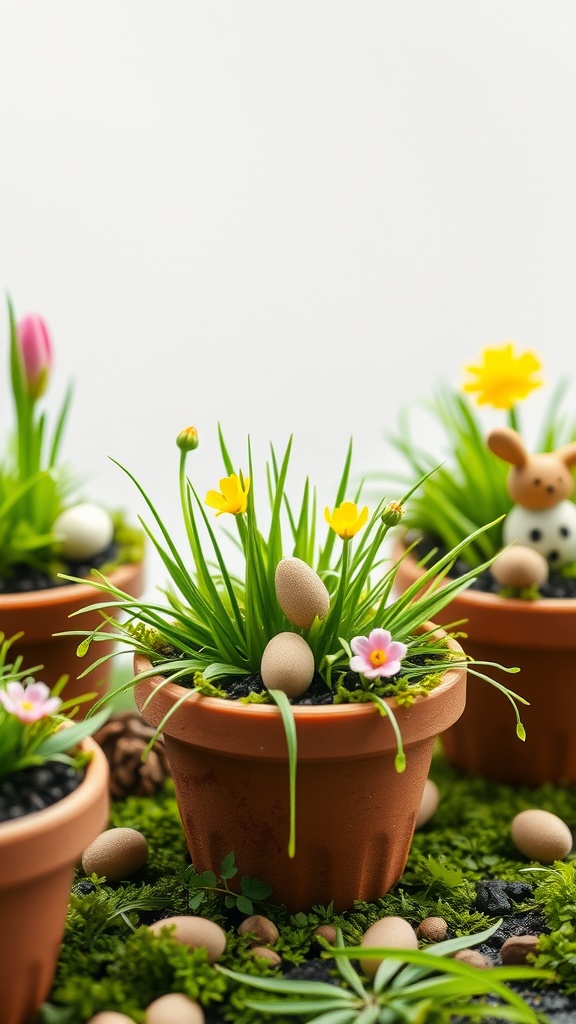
x=29 y=702
x=37 y=352
x=377 y=654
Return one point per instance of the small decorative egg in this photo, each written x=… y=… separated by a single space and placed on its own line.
x=262 y=928
x=301 y=593
x=287 y=664
x=194 y=932
x=541 y=835
x=428 y=804
x=116 y=853
x=110 y=1017
x=265 y=953
x=174 y=1008
x=83 y=531
x=388 y=931
x=520 y=566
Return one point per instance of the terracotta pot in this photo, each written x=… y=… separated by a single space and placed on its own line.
x=355 y=814
x=540 y=638
x=41 y=613
x=37 y=858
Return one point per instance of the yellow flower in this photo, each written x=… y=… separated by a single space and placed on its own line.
x=345 y=520
x=503 y=378
x=232 y=497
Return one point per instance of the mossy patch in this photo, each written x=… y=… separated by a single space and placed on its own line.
x=109 y=959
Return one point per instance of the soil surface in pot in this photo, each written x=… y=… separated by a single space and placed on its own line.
x=35 y=788
x=557 y=585
x=24 y=579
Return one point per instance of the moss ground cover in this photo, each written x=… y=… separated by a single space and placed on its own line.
x=109 y=960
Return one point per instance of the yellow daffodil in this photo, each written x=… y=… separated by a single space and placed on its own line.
x=503 y=378
x=232 y=497
x=346 y=520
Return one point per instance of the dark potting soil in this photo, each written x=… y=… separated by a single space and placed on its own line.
x=24 y=579
x=35 y=788
x=555 y=586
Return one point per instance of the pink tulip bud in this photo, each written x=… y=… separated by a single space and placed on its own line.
x=37 y=353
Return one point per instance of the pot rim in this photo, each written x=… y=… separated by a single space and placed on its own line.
x=69 y=593
x=87 y=804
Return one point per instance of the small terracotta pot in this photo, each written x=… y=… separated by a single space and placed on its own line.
x=40 y=613
x=37 y=858
x=355 y=814
x=539 y=637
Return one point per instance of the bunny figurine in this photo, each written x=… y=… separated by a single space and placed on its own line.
x=543 y=518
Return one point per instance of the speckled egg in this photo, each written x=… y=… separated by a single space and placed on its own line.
x=301 y=593
x=388 y=931
x=83 y=530
x=194 y=932
x=287 y=664
x=116 y=853
x=520 y=566
x=541 y=835
x=110 y=1017
x=174 y=1008
x=428 y=804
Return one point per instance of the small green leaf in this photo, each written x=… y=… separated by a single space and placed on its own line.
x=244 y=905
x=197 y=900
x=520 y=731
x=228 y=866
x=230 y=901
x=206 y=880
x=254 y=888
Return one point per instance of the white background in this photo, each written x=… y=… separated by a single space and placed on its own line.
x=281 y=215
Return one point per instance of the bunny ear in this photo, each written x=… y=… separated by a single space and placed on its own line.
x=508 y=445
x=567 y=453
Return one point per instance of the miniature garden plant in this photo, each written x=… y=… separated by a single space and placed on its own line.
x=409 y=985
x=31 y=727
x=470 y=488
x=42 y=529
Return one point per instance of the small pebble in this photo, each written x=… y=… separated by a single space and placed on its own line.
x=263 y=932
x=110 y=1017
x=428 y=804
x=116 y=853
x=492 y=899
x=388 y=931
x=473 y=957
x=327 y=932
x=174 y=1008
x=194 y=932
x=541 y=835
x=265 y=953
x=432 y=929
x=516 y=949
x=520 y=567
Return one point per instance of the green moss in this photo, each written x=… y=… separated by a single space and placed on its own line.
x=109 y=960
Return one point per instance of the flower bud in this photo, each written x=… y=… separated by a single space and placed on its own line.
x=392 y=514
x=37 y=353
x=187 y=439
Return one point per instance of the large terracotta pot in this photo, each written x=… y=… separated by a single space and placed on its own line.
x=539 y=637
x=355 y=814
x=37 y=858
x=41 y=613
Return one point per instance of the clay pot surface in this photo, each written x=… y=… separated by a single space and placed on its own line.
x=539 y=637
x=37 y=857
x=41 y=613
x=355 y=814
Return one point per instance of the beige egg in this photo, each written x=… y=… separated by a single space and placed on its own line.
x=174 y=1008
x=388 y=931
x=194 y=932
x=520 y=566
x=110 y=1017
x=541 y=835
x=265 y=953
x=287 y=664
x=116 y=853
x=301 y=593
x=428 y=804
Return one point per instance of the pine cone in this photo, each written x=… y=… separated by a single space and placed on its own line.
x=123 y=739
